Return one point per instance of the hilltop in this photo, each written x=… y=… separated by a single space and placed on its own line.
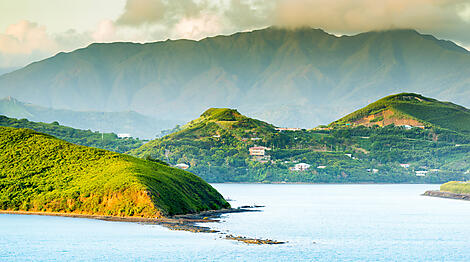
x=216 y=122
x=299 y=78
x=409 y=109
x=42 y=173
x=108 y=141
x=375 y=144
x=128 y=122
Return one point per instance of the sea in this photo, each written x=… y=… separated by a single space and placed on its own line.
x=319 y=222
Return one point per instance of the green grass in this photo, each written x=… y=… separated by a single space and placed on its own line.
x=41 y=173
x=456 y=187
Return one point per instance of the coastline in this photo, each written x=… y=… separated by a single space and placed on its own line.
x=449 y=195
x=186 y=222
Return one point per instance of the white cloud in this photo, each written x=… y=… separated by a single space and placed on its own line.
x=25 y=38
x=154 y=20
x=198 y=27
x=105 y=32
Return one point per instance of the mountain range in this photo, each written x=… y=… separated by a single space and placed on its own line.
x=302 y=78
x=128 y=122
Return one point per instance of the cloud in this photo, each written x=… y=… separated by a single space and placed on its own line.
x=138 y=12
x=105 y=32
x=154 y=20
x=25 y=37
x=198 y=27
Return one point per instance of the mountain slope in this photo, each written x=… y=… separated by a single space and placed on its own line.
x=108 y=141
x=133 y=123
x=42 y=173
x=298 y=78
x=413 y=110
x=224 y=146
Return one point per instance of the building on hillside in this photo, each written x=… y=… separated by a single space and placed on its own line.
x=300 y=167
x=288 y=129
x=421 y=173
x=321 y=167
x=182 y=166
x=258 y=150
x=405 y=165
x=124 y=136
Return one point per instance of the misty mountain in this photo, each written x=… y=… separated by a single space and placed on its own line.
x=135 y=124
x=300 y=78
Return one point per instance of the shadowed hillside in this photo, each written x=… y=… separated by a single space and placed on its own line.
x=299 y=78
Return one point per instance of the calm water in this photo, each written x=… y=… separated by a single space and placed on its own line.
x=321 y=223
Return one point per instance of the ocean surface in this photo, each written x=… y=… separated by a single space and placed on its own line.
x=320 y=223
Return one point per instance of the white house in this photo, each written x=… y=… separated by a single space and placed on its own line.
x=182 y=166
x=421 y=173
x=258 y=150
x=124 y=135
x=405 y=165
x=321 y=167
x=300 y=167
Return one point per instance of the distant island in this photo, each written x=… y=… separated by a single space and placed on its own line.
x=40 y=173
x=404 y=138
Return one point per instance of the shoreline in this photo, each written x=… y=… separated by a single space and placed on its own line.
x=186 y=222
x=448 y=195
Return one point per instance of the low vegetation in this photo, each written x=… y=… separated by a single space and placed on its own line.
x=108 y=141
x=456 y=187
x=41 y=173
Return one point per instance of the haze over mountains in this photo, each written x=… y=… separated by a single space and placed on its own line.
x=299 y=78
x=128 y=122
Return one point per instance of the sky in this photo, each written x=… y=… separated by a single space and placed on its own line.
x=31 y=30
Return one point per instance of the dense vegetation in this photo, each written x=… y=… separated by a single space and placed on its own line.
x=456 y=187
x=108 y=141
x=218 y=151
x=428 y=111
x=41 y=173
x=302 y=77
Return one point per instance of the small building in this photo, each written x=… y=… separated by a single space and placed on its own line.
x=258 y=150
x=182 y=166
x=321 y=167
x=124 y=136
x=348 y=155
x=421 y=173
x=288 y=129
x=300 y=167
x=405 y=165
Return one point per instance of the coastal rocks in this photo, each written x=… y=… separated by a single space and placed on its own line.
x=255 y=241
x=444 y=194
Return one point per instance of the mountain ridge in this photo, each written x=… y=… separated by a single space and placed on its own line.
x=300 y=78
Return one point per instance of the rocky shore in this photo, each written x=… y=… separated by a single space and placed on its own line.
x=444 y=194
x=189 y=222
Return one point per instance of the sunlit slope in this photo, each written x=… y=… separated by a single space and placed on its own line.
x=42 y=173
x=412 y=110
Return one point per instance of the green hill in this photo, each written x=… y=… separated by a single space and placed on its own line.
x=129 y=122
x=299 y=78
x=216 y=146
x=41 y=173
x=411 y=110
x=108 y=141
x=223 y=121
